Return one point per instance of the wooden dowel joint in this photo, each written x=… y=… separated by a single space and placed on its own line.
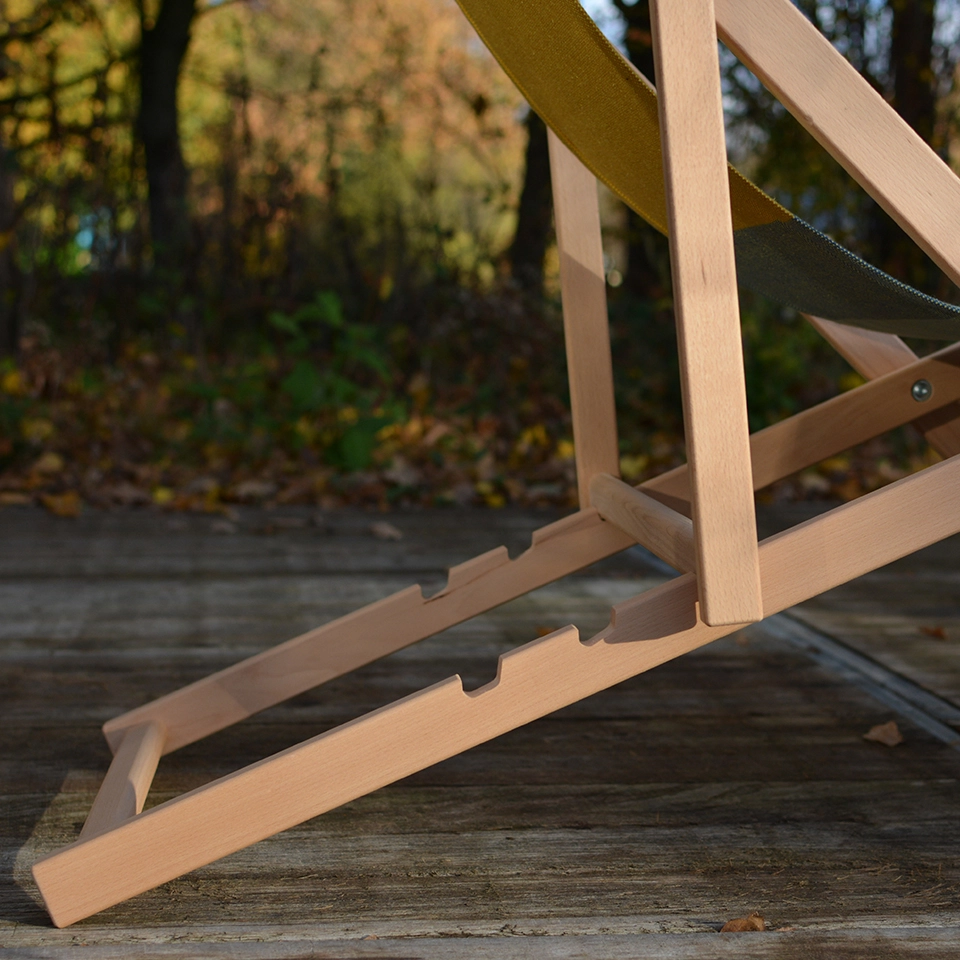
x=662 y=531
x=125 y=787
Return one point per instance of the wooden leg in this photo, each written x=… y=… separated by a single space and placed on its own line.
x=817 y=84
x=707 y=309
x=443 y=720
x=586 y=333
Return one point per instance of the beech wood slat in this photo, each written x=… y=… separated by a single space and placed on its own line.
x=610 y=798
x=125 y=787
x=707 y=309
x=663 y=531
x=873 y=354
x=822 y=431
x=834 y=425
x=870 y=352
x=313 y=658
x=583 y=290
x=560 y=548
x=850 y=119
x=433 y=724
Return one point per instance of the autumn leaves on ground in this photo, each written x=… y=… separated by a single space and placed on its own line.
x=301 y=252
x=157 y=431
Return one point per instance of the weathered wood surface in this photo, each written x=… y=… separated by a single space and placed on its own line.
x=905 y=615
x=633 y=824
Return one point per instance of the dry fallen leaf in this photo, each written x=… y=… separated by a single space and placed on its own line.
x=886 y=733
x=938 y=633
x=437 y=431
x=402 y=473
x=385 y=531
x=49 y=463
x=128 y=495
x=254 y=490
x=10 y=498
x=162 y=496
x=752 y=922
x=62 y=504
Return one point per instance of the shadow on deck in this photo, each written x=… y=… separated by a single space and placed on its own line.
x=633 y=824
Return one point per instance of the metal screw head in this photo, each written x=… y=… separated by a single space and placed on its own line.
x=921 y=391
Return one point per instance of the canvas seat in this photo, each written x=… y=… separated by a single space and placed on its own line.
x=667 y=159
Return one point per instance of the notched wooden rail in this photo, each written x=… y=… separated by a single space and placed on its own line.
x=556 y=550
x=313 y=658
x=441 y=721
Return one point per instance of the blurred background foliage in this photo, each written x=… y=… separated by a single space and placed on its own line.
x=301 y=251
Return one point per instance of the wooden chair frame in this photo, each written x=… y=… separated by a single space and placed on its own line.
x=699 y=518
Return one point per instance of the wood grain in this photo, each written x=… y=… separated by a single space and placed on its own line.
x=707 y=309
x=372 y=632
x=837 y=424
x=125 y=787
x=583 y=290
x=663 y=531
x=654 y=811
x=873 y=354
x=850 y=119
x=528 y=941
x=436 y=723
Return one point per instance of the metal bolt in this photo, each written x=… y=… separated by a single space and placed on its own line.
x=922 y=391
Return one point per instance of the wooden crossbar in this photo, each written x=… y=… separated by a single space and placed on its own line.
x=125 y=787
x=665 y=532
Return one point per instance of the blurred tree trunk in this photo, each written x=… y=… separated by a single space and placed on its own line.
x=648 y=264
x=163 y=47
x=911 y=64
x=529 y=244
x=9 y=332
x=913 y=94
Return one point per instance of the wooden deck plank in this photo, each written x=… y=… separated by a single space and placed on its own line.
x=935 y=944
x=905 y=616
x=731 y=780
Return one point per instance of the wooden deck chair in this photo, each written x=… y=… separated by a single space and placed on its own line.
x=700 y=518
